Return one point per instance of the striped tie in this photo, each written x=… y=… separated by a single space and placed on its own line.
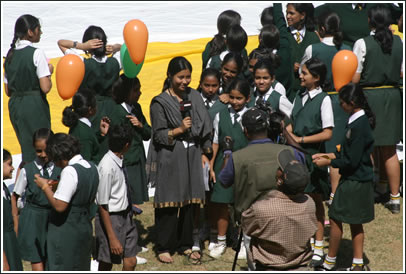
x=297 y=34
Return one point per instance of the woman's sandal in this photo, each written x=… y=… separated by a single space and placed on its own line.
x=194 y=256
x=165 y=258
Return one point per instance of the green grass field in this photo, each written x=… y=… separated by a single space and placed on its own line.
x=383 y=246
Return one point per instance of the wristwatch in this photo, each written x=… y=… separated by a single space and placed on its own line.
x=75 y=43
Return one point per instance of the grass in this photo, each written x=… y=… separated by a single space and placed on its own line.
x=383 y=246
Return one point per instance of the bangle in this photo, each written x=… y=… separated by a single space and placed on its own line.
x=75 y=43
x=302 y=141
x=45 y=186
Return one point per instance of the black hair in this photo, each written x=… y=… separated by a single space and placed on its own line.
x=241 y=85
x=268 y=42
x=235 y=57
x=379 y=18
x=23 y=24
x=267 y=16
x=330 y=22
x=317 y=68
x=123 y=86
x=225 y=20
x=353 y=93
x=275 y=125
x=308 y=10
x=236 y=38
x=6 y=155
x=209 y=72
x=176 y=65
x=265 y=64
x=119 y=136
x=62 y=146
x=95 y=32
x=42 y=134
x=83 y=99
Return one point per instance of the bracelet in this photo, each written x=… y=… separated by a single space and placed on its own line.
x=75 y=43
x=302 y=141
x=44 y=186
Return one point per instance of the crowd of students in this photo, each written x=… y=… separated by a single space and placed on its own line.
x=99 y=172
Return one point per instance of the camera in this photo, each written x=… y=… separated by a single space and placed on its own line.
x=275 y=118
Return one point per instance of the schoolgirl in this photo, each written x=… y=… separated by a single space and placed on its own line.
x=353 y=202
x=27 y=81
x=69 y=237
x=312 y=123
x=226 y=123
x=32 y=223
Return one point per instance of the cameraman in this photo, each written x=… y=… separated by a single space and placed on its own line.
x=252 y=169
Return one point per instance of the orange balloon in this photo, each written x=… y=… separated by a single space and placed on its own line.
x=344 y=65
x=70 y=71
x=136 y=38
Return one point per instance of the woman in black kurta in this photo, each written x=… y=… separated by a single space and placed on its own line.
x=174 y=164
x=353 y=201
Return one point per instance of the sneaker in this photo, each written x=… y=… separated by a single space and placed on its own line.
x=356 y=268
x=242 y=255
x=322 y=268
x=144 y=249
x=94 y=265
x=393 y=207
x=211 y=246
x=316 y=263
x=141 y=260
x=218 y=250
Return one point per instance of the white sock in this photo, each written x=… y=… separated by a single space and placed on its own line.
x=318 y=250
x=395 y=199
x=221 y=239
x=357 y=262
x=329 y=262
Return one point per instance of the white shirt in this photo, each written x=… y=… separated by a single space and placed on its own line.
x=211 y=102
x=39 y=59
x=326 y=108
x=85 y=121
x=216 y=121
x=360 y=50
x=21 y=182
x=112 y=190
x=302 y=33
x=69 y=179
x=222 y=55
x=284 y=104
x=355 y=116
x=127 y=107
x=100 y=60
x=308 y=52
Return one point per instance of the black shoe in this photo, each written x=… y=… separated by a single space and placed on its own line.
x=316 y=263
x=394 y=208
x=322 y=268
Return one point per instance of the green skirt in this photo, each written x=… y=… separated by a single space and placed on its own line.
x=340 y=122
x=11 y=250
x=386 y=104
x=221 y=194
x=353 y=202
x=32 y=232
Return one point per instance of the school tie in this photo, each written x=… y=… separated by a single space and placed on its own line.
x=297 y=34
x=207 y=103
x=236 y=115
x=261 y=98
x=7 y=192
x=45 y=173
x=130 y=204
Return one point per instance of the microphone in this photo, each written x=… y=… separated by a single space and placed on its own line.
x=185 y=107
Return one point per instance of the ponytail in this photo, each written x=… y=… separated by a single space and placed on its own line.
x=69 y=117
x=23 y=24
x=379 y=18
x=218 y=45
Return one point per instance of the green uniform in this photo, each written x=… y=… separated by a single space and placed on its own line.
x=326 y=53
x=297 y=51
x=353 y=201
x=69 y=241
x=34 y=217
x=134 y=158
x=379 y=78
x=89 y=142
x=28 y=106
x=100 y=77
x=306 y=121
x=354 y=22
x=10 y=247
x=226 y=128
x=272 y=99
x=284 y=72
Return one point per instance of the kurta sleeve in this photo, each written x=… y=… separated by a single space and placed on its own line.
x=160 y=125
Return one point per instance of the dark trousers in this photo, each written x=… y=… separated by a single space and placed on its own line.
x=173 y=230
